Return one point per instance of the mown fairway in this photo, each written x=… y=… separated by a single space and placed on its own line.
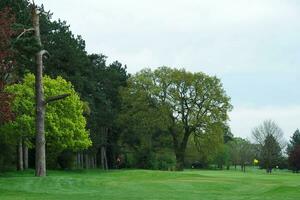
x=142 y=184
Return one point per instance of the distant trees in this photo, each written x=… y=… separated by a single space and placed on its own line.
x=293 y=151
x=269 y=137
x=241 y=152
x=187 y=103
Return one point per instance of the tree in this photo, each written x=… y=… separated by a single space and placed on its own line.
x=223 y=155
x=294 y=141
x=95 y=80
x=293 y=151
x=65 y=126
x=7 y=19
x=191 y=103
x=270 y=153
x=241 y=152
x=268 y=127
x=40 y=141
x=207 y=146
x=269 y=138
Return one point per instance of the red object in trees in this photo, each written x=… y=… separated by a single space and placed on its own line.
x=294 y=158
x=6 y=113
x=7 y=19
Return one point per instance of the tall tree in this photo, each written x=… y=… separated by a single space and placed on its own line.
x=191 y=103
x=95 y=81
x=269 y=139
x=293 y=151
x=40 y=144
x=270 y=153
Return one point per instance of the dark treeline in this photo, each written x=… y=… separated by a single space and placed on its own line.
x=165 y=119
x=96 y=81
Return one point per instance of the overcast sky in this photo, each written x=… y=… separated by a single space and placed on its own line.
x=252 y=45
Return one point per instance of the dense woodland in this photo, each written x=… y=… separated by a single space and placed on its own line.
x=97 y=115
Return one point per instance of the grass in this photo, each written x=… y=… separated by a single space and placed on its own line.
x=144 y=185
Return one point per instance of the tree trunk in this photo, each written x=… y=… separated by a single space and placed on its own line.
x=87 y=161
x=179 y=160
x=82 y=160
x=179 y=148
x=25 y=156
x=40 y=155
x=92 y=162
x=20 y=155
x=95 y=160
x=103 y=158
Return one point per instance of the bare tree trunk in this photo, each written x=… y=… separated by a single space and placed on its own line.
x=40 y=155
x=104 y=158
x=82 y=160
x=78 y=160
x=86 y=160
x=25 y=155
x=92 y=161
x=20 y=155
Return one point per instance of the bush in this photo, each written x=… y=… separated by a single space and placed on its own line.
x=164 y=161
x=145 y=159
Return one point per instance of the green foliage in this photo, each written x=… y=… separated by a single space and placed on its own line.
x=294 y=141
x=293 y=151
x=270 y=153
x=96 y=82
x=241 y=152
x=177 y=102
x=64 y=124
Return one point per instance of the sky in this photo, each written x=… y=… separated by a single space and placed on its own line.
x=253 y=46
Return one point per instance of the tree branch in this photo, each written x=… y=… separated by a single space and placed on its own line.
x=56 y=98
x=43 y=52
x=25 y=31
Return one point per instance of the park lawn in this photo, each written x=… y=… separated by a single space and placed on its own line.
x=144 y=185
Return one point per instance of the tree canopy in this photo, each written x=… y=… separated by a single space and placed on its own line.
x=187 y=103
x=65 y=123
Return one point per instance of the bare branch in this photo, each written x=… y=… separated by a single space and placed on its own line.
x=56 y=98
x=43 y=52
x=25 y=31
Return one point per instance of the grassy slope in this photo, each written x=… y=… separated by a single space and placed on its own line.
x=140 y=184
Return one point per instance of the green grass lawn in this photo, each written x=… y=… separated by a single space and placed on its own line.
x=142 y=184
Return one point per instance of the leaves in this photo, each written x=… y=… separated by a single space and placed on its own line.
x=64 y=125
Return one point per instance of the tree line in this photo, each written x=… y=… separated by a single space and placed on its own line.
x=107 y=118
